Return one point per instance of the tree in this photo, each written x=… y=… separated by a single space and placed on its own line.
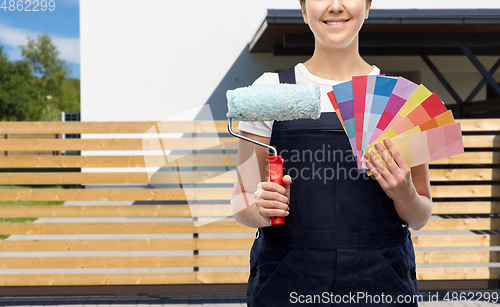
x=51 y=78
x=18 y=97
x=44 y=59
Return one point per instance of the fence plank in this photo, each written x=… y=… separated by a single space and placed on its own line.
x=221 y=277
x=465 y=207
x=126 y=244
x=214 y=227
x=114 y=127
x=115 y=211
x=84 y=279
x=115 y=194
x=222 y=260
x=479 y=174
x=225 y=243
x=458 y=273
x=462 y=224
x=473 y=125
x=419 y=240
x=117 y=144
x=194 y=194
x=204 y=260
x=171 y=126
x=188 y=161
x=122 y=228
x=462 y=256
x=116 y=178
x=472 y=240
x=464 y=191
x=481 y=157
x=476 y=141
x=75 y=262
x=98 y=245
x=190 y=177
x=114 y=161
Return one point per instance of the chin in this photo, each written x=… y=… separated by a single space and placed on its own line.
x=340 y=44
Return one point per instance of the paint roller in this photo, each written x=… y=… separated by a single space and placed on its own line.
x=273 y=102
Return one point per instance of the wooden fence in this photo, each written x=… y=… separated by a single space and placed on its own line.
x=153 y=243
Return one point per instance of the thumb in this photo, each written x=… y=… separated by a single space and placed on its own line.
x=287 y=181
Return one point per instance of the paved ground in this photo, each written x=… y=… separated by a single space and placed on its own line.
x=198 y=300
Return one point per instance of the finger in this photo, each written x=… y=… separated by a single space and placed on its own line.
x=287 y=181
x=273 y=205
x=274 y=196
x=268 y=213
x=388 y=159
x=375 y=160
x=372 y=168
x=378 y=165
x=376 y=174
x=398 y=158
x=273 y=187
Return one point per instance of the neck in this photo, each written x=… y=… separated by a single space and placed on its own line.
x=339 y=64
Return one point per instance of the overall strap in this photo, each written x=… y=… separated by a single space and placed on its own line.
x=287 y=76
x=383 y=72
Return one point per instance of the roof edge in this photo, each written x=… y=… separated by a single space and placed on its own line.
x=398 y=16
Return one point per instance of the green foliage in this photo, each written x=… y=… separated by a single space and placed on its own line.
x=37 y=88
x=44 y=59
x=18 y=96
x=68 y=99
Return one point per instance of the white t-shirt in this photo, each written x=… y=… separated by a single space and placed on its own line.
x=302 y=75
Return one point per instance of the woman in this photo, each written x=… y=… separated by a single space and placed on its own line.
x=345 y=238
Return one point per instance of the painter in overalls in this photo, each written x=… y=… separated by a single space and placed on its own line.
x=343 y=242
x=345 y=234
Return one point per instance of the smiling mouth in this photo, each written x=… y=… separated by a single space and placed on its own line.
x=334 y=23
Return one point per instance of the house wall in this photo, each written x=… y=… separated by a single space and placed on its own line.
x=151 y=59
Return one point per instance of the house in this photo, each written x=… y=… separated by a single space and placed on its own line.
x=161 y=58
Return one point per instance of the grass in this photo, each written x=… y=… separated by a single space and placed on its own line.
x=15 y=220
x=18 y=220
x=29 y=203
x=24 y=203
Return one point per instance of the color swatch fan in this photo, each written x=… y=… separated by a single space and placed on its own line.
x=372 y=108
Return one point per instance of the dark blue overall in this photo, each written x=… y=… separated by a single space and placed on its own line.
x=343 y=242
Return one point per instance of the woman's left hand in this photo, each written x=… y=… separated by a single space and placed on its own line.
x=395 y=179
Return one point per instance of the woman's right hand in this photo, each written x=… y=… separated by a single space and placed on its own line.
x=273 y=199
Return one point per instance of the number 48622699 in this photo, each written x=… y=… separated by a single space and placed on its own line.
x=28 y=5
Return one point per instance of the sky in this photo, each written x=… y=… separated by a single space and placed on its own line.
x=62 y=25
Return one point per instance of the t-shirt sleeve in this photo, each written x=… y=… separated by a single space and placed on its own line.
x=260 y=128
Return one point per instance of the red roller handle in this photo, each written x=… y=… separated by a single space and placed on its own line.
x=276 y=175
